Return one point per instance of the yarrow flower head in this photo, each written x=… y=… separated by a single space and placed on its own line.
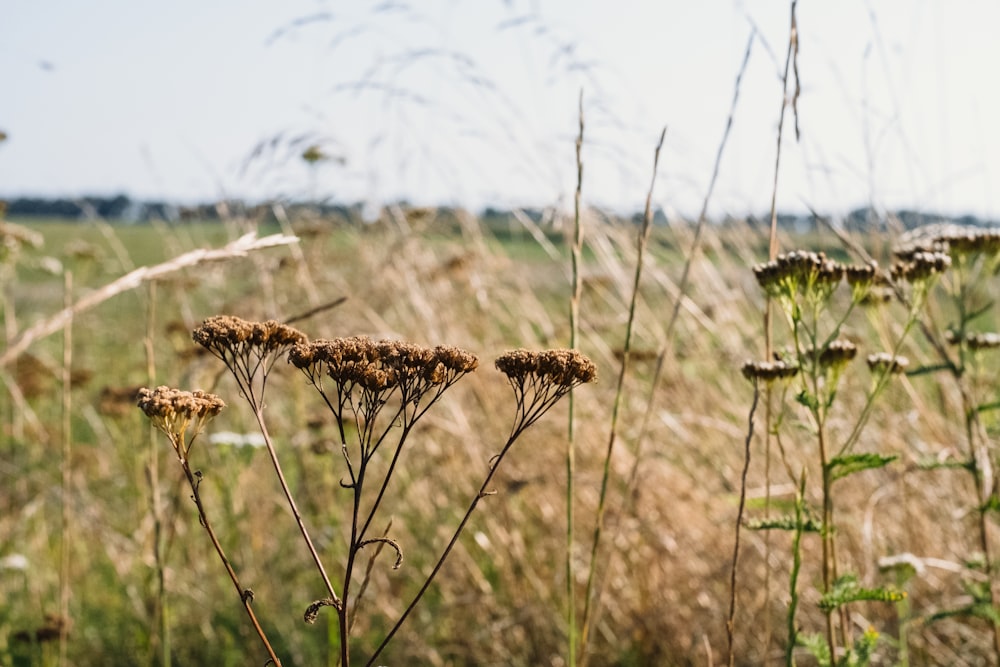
x=539 y=379
x=377 y=368
x=176 y=412
x=226 y=335
x=247 y=348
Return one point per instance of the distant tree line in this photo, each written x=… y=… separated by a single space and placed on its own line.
x=121 y=208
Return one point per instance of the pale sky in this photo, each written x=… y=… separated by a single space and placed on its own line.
x=474 y=102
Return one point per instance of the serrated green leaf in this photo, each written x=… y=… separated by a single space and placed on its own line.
x=981 y=610
x=842 y=466
x=846 y=589
x=787 y=522
x=934 y=464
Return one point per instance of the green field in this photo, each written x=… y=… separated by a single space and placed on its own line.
x=93 y=520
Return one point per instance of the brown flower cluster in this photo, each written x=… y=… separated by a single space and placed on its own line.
x=225 y=335
x=174 y=411
x=377 y=366
x=540 y=379
x=565 y=368
x=813 y=275
x=975 y=341
x=837 y=354
x=768 y=371
x=798 y=268
x=884 y=362
x=920 y=266
x=955 y=240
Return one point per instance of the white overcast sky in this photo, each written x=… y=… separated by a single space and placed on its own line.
x=474 y=102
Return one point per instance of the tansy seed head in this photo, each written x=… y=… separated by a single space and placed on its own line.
x=884 y=362
x=768 y=371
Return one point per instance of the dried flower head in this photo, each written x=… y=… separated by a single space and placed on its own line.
x=838 y=354
x=798 y=275
x=376 y=369
x=921 y=267
x=884 y=362
x=768 y=371
x=225 y=335
x=961 y=242
x=247 y=348
x=539 y=379
x=861 y=278
x=174 y=412
x=975 y=341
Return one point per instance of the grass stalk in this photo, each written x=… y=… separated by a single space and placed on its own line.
x=574 y=343
x=67 y=466
x=643 y=237
x=731 y=619
x=161 y=610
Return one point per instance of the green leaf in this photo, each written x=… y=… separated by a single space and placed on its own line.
x=817 y=647
x=807 y=399
x=981 y=610
x=934 y=464
x=863 y=651
x=842 y=466
x=787 y=522
x=846 y=589
x=933 y=368
x=979 y=313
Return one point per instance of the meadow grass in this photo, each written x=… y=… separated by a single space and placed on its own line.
x=500 y=597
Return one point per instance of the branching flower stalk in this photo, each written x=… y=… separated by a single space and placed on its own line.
x=975 y=258
x=249 y=350
x=803 y=284
x=539 y=380
x=357 y=379
x=182 y=416
x=757 y=372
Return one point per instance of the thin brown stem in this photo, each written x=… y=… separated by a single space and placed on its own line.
x=482 y=493
x=246 y=595
x=731 y=619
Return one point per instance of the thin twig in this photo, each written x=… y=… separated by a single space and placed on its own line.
x=731 y=620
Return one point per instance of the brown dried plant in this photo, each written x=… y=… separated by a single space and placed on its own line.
x=182 y=416
x=376 y=392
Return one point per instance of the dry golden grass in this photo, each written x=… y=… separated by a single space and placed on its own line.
x=500 y=598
